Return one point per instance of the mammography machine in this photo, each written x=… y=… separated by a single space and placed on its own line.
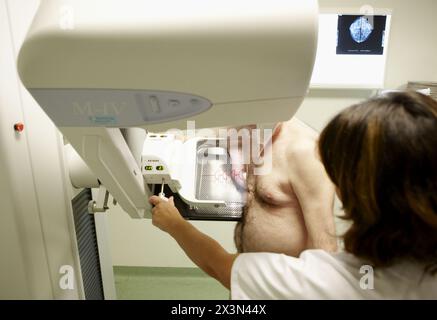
x=113 y=82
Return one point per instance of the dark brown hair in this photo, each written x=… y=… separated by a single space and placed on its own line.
x=382 y=156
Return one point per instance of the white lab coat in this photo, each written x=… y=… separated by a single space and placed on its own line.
x=317 y=274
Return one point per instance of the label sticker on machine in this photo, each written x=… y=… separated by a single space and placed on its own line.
x=117 y=108
x=104 y=120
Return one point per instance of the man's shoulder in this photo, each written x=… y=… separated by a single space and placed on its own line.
x=302 y=141
x=301 y=128
x=302 y=151
x=301 y=154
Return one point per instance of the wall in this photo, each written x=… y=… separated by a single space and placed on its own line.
x=36 y=227
x=411 y=56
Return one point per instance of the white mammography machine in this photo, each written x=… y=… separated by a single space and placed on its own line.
x=112 y=73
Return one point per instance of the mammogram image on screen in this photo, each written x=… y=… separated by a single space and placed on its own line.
x=361 y=34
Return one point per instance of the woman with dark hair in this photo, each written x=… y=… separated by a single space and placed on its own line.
x=382 y=157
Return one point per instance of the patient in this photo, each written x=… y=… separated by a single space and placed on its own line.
x=290 y=209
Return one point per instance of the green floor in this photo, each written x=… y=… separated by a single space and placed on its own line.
x=166 y=283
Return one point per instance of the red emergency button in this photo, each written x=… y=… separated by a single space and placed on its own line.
x=19 y=127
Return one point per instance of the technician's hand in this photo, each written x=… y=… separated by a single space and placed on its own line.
x=165 y=216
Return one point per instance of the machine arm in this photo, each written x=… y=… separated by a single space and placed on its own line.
x=107 y=154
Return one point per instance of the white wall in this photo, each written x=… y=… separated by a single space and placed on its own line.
x=139 y=243
x=412 y=56
x=36 y=224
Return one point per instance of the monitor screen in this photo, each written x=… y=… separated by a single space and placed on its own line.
x=351 y=51
x=361 y=34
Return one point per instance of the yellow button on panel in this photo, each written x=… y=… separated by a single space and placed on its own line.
x=160 y=168
x=148 y=168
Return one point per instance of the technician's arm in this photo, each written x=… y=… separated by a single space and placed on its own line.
x=204 y=251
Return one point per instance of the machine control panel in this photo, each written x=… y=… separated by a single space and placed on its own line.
x=158 y=160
